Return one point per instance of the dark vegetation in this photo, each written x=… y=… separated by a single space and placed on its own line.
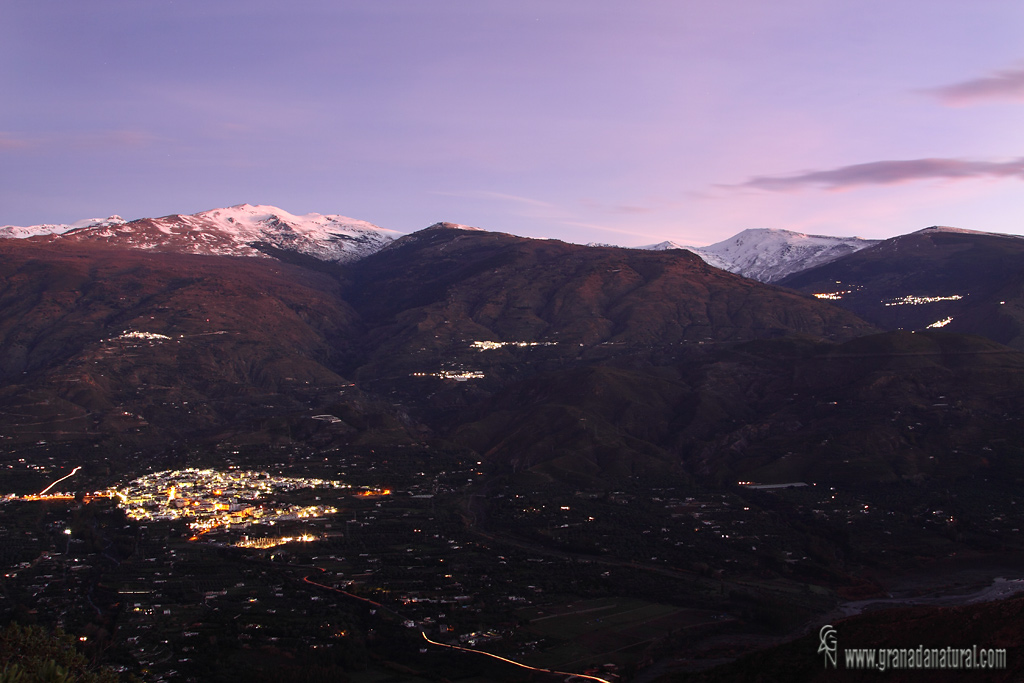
x=985 y=270
x=567 y=502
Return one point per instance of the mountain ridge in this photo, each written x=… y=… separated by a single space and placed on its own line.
x=234 y=231
x=770 y=254
x=764 y=254
x=961 y=280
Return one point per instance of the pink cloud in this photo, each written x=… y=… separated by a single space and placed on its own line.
x=12 y=141
x=634 y=210
x=111 y=138
x=1003 y=85
x=889 y=173
x=78 y=141
x=486 y=194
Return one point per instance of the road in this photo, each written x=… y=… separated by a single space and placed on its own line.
x=60 y=480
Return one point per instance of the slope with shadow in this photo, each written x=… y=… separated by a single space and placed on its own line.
x=966 y=281
x=895 y=406
x=131 y=350
x=575 y=363
x=465 y=325
x=561 y=359
x=428 y=296
x=506 y=286
x=899 y=405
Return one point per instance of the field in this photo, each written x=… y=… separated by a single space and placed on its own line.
x=614 y=630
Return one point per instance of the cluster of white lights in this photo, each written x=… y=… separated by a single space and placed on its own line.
x=911 y=300
x=213 y=498
x=491 y=345
x=461 y=376
x=263 y=543
x=942 y=323
x=143 y=335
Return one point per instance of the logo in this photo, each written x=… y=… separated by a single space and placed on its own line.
x=827 y=636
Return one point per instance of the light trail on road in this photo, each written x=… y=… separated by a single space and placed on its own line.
x=588 y=677
x=59 y=481
x=510 y=661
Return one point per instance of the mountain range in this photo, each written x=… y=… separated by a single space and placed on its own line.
x=956 y=280
x=242 y=230
x=770 y=254
x=771 y=447
x=580 y=363
x=763 y=254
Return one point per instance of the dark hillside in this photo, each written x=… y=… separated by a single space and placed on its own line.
x=970 y=282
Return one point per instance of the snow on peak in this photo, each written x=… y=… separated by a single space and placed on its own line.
x=964 y=231
x=242 y=230
x=770 y=254
x=452 y=226
x=260 y=221
x=248 y=230
x=664 y=246
x=16 y=232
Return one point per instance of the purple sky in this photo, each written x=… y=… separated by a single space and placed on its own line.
x=585 y=120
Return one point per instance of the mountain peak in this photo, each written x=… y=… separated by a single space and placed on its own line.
x=945 y=228
x=240 y=230
x=19 y=232
x=664 y=246
x=770 y=254
x=444 y=225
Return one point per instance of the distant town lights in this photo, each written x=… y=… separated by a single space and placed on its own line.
x=491 y=345
x=912 y=300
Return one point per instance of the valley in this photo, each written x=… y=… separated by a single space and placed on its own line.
x=621 y=463
x=552 y=578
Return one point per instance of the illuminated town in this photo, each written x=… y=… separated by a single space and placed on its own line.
x=151 y=336
x=462 y=375
x=457 y=375
x=210 y=499
x=832 y=296
x=491 y=345
x=911 y=300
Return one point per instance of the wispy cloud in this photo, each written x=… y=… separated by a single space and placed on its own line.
x=889 y=173
x=486 y=194
x=1002 y=85
x=11 y=141
x=112 y=139
x=648 y=205
x=606 y=228
x=523 y=206
x=631 y=210
x=106 y=139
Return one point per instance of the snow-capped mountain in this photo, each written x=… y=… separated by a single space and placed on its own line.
x=663 y=246
x=58 y=228
x=242 y=230
x=961 y=231
x=709 y=258
x=770 y=254
x=445 y=225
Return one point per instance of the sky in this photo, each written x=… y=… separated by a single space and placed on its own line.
x=582 y=120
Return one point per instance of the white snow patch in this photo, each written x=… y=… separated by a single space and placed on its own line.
x=234 y=231
x=454 y=226
x=946 y=228
x=18 y=232
x=770 y=254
